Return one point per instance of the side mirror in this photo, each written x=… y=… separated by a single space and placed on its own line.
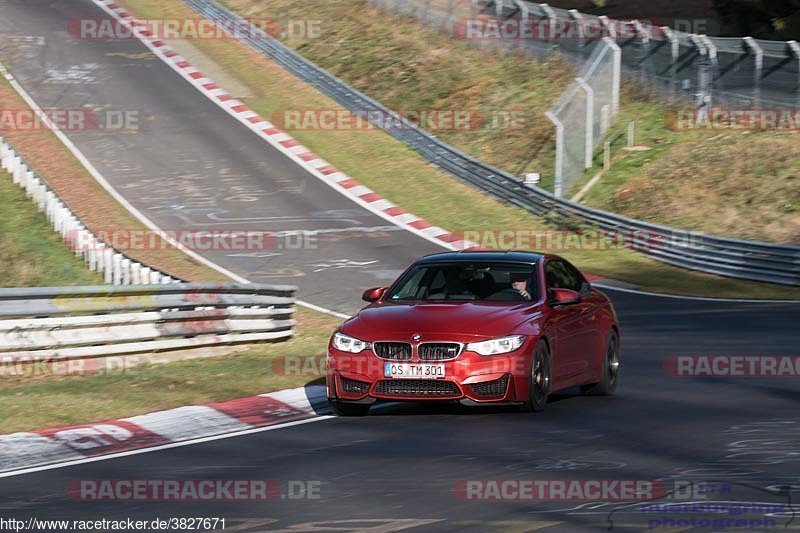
x=373 y=295
x=559 y=297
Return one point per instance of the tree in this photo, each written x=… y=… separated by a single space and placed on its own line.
x=766 y=19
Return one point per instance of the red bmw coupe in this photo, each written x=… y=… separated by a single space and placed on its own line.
x=501 y=328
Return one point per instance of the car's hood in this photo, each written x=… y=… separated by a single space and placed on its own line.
x=396 y=321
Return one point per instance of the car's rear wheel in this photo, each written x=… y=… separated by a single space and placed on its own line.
x=349 y=409
x=539 y=389
x=608 y=381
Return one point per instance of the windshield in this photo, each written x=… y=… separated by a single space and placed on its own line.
x=464 y=281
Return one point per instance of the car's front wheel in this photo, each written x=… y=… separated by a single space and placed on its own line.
x=349 y=409
x=608 y=381
x=539 y=389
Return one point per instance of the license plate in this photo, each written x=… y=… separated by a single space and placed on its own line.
x=407 y=371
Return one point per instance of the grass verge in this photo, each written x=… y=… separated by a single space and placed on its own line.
x=730 y=182
x=40 y=401
x=87 y=199
x=392 y=56
x=36 y=256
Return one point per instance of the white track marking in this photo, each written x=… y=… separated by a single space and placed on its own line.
x=162 y=447
x=692 y=298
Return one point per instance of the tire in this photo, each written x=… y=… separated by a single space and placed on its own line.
x=349 y=409
x=608 y=381
x=539 y=389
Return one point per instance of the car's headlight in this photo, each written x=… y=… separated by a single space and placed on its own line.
x=497 y=346
x=346 y=343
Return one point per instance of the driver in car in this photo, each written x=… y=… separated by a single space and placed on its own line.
x=519 y=282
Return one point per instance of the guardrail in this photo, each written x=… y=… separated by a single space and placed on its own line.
x=117 y=268
x=749 y=260
x=66 y=323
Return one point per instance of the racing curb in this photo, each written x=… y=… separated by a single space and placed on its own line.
x=24 y=450
x=282 y=141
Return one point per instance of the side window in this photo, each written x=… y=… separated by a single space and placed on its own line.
x=554 y=275
x=577 y=278
x=559 y=275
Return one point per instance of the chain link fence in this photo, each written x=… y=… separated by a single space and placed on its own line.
x=584 y=114
x=745 y=73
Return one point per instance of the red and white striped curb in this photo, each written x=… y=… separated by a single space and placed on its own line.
x=338 y=180
x=19 y=451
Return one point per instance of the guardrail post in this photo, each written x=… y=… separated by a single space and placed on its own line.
x=125 y=266
x=136 y=274
x=108 y=265
x=116 y=266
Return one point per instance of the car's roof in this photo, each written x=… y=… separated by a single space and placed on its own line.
x=513 y=256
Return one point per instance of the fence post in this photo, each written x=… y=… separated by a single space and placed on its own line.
x=794 y=51
x=713 y=60
x=675 y=52
x=551 y=22
x=498 y=7
x=426 y=11
x=752 y=48
x=578 y=19
x=559 y=170
x=589 y=146
x=617 y=75
x=631 y=134
x=451 y=17
x=644 y=36
x=611 y=31
x=703 y=96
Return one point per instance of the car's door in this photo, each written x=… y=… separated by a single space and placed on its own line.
x=592 y=343
x=572 y=324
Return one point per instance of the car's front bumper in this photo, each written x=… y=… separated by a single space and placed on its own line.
x=470 y=378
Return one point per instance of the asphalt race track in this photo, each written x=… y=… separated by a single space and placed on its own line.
x=194 y=166
x=403 y=462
